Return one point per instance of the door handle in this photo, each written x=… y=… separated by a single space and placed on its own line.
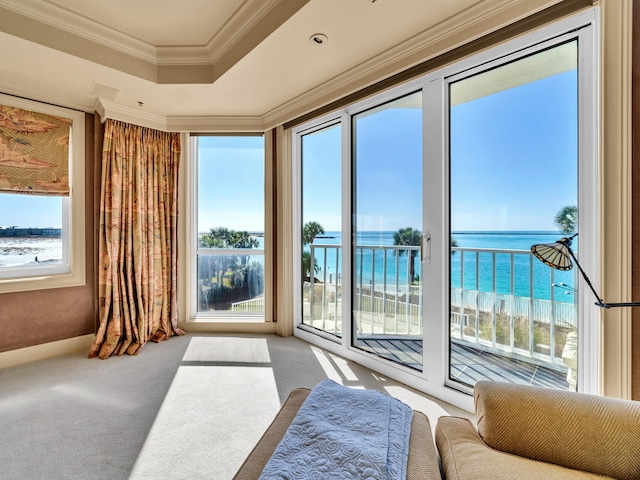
x=425 y=247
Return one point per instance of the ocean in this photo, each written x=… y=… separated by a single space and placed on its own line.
x=23 y=250
x=523 y=268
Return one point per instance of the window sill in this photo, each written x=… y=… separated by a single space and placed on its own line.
x=42 y=282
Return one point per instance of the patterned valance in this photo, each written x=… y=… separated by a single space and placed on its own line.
x=34 y=152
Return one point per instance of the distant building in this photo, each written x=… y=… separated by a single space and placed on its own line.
x=30 y=232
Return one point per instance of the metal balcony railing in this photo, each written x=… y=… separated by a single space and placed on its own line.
x=510 y=322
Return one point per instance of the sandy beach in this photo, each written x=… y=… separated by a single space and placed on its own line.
x=16 y=251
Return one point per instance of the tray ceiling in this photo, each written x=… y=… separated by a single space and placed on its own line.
x=243 y=59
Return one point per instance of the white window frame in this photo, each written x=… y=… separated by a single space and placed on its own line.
x=73 y=268
x=581 y=27
x=434 y=377
x=194 y=250
x=330 y=120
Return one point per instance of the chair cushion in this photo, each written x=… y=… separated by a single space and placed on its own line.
x=465 y=456
x=579 y=431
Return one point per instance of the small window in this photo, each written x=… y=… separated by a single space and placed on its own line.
x=41 y=204
x=31 y=235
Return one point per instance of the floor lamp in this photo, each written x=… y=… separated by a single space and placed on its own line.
x=559 y=255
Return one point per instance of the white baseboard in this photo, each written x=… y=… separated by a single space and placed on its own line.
x=46 y=350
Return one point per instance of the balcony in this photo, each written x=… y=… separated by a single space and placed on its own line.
x=494 y=334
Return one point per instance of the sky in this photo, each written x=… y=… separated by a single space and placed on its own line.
x=388 y=171
x=30 y=211
x=231 y=183
x=321 y=177
x=513 y=166
x=514 y=157
x=513 y=161
x=388 y=167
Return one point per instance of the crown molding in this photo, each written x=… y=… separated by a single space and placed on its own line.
x=32 y=30
x=482 y=18
x=250 y=13
x=58 y=28
x=115 y=111
x=221 y=123
x=182 y=55
x=70 y=22
x=238 y=26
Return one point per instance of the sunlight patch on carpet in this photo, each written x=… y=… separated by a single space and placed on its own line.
x=335 y=367
x=226 y=349
x=211 y=418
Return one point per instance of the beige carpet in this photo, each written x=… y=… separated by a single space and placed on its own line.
x=189 y=408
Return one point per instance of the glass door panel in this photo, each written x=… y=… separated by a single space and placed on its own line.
x=514 y=183
x=387 y=213
x=321 y=152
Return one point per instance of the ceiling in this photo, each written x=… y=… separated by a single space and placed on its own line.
x=231 y=59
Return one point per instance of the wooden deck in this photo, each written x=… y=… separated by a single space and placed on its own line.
x=468 y=364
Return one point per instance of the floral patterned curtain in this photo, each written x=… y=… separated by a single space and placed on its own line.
x=138 y=239
x=34 y=152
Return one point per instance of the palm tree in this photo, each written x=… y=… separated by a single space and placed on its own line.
x=567 y=219
x=408 y=237
x=309 y=232
x=243 y=240
x=222 y=237
x=216 y=238
x=306 y=265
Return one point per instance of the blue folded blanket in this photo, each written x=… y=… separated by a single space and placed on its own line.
x=343 y=433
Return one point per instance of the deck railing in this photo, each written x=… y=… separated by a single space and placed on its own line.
x=253 y=305
x=387 y=303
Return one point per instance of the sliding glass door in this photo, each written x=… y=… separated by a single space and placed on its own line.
x=513 y=150
x=445 y=183
x=321 y=229
x=387 y=230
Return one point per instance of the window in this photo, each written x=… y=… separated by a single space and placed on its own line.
x=41 y=233
x=387 y=226
x=31 y=234
x=513 y=156
x=447 y=181
x=229 y=220
x=321 y=259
